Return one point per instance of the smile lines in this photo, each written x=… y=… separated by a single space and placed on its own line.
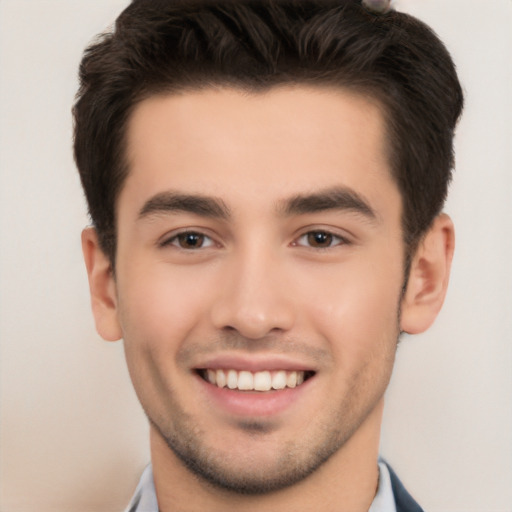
x=257 y=381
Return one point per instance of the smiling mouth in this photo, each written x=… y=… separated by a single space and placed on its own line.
x=255 y=381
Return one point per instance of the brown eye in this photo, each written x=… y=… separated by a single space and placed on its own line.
x=319 y=239
x=191 y=240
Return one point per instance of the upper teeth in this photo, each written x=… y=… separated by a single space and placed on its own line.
x=257 y=381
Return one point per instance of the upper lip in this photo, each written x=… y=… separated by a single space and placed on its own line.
x=254 y=363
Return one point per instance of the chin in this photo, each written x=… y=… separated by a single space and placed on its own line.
x=256 y=462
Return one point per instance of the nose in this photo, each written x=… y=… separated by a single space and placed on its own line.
x=254 y=299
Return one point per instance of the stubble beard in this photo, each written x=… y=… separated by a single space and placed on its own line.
x=294 y=460
x=297 y=459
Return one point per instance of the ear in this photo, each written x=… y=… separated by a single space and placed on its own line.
x=102 y=287
x=428 y=277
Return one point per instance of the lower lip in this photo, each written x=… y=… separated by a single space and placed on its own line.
x=252 y=404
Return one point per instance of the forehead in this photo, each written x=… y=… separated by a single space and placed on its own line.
x=242 y=145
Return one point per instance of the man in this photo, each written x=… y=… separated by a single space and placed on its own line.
x=266 y=182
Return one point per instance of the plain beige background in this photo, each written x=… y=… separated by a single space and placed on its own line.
x=72 y=435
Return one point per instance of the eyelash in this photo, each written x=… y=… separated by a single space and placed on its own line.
x=340 y=240
x=175 y=240
x=331 y=237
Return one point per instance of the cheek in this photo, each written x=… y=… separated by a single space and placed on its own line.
x=159 y=307
x=357 y=310
x=158 y=310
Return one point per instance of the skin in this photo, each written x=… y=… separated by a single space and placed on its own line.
x=256 y=287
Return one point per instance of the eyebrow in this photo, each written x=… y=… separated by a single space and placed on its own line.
x=169 y=202
x=337 y=198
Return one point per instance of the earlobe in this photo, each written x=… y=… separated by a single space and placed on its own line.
x=428 y=277
x=102 y=287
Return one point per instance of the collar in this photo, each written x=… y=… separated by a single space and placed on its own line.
x=384 y=500
x=144 y=499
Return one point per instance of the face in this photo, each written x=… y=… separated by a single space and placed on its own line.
x=258 y=278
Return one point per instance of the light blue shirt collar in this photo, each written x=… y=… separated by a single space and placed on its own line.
x=384 y=500
x=144 y=499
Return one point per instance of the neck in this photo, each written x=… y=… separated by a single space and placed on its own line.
x=347 y=482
